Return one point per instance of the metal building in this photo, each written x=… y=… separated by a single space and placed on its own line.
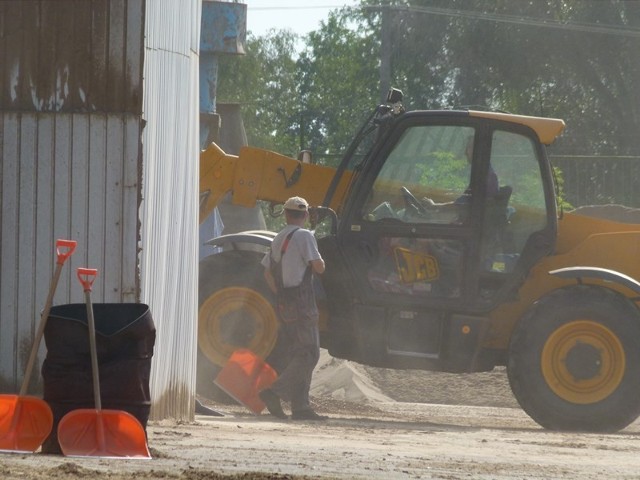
x=99 y=144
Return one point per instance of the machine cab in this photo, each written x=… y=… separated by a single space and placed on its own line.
x=449 y=209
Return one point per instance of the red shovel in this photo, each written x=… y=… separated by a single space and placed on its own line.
x=244 y=375
x=97 y=432
x=25 y=421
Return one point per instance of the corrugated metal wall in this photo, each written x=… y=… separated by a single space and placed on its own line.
x=74 y=166
x=169 y=257
x=63 y=177
x=70 y=158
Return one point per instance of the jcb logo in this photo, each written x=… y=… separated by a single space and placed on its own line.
x=415 y=266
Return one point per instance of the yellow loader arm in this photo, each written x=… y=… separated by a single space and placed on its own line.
x=257 y=174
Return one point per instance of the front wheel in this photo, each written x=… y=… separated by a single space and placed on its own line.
x=235 y=311
x=574 y=361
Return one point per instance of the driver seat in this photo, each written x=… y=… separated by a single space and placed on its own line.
x=497 y=208
x=496 y=222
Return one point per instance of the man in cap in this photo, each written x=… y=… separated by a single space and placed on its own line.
x=289 y=269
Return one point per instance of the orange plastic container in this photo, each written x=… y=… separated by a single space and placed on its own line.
x=243 y=376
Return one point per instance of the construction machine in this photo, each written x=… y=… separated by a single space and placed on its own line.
x=433 y=264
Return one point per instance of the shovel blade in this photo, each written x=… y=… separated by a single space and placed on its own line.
x=25 y=422
x=244 y=375
x=102 y=433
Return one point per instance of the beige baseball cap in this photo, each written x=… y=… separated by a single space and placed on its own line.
x=296 y=203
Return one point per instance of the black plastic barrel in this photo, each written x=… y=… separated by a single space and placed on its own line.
x=125 y=337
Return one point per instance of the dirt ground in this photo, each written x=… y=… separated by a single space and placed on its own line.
x=383 y=424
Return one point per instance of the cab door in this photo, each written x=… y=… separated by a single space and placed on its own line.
x=445 y=211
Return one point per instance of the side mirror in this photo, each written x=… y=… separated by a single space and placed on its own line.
x=305 y=156
x=318 y=214
x=394 y=96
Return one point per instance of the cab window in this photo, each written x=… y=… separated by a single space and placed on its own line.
x=428 y=165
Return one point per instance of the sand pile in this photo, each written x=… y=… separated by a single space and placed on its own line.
x=344 y=380
x=348 y=381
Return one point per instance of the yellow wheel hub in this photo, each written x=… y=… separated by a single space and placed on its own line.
x=583 y=362
x=233 y=318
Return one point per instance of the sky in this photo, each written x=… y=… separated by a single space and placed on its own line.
x=299 y=16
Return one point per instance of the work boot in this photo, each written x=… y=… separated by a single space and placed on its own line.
x=307 y=415
x=272 y=401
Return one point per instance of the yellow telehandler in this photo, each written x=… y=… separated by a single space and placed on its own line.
x=444 y=251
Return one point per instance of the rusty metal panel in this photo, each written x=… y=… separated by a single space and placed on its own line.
x=64 y=176
x=70 y=156
x=224 y=27
x=71 y=99
x=131 y=198
x=71 y=56
x=9 y=140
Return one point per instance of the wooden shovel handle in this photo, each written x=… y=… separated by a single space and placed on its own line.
x=64 y=249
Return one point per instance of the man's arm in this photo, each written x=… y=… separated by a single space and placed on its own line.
x=317 y=266
x=309 y=250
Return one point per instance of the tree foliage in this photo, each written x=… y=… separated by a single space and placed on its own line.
x=572 y=59
x=265 y=83
x=339 y=79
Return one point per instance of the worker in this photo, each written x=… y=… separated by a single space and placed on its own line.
x=449 y=252
x=462 y=202
x=288 y=269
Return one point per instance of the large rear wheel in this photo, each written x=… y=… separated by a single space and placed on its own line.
x=574 y=360
x=235 y=311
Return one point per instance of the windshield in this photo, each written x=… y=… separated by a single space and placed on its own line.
x=362 y=148
x=358 y=151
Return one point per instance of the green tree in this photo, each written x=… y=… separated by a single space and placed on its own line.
x=574 y=59
x=339 y=84
x=265 y=82
x=315 y=101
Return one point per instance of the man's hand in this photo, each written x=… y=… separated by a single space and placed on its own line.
x=427 y=202
x=317 y=266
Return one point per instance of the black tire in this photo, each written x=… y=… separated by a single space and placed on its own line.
x=235 y=311
x=574 y=360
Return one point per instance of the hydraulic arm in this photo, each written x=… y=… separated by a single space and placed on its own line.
x=257 y=174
